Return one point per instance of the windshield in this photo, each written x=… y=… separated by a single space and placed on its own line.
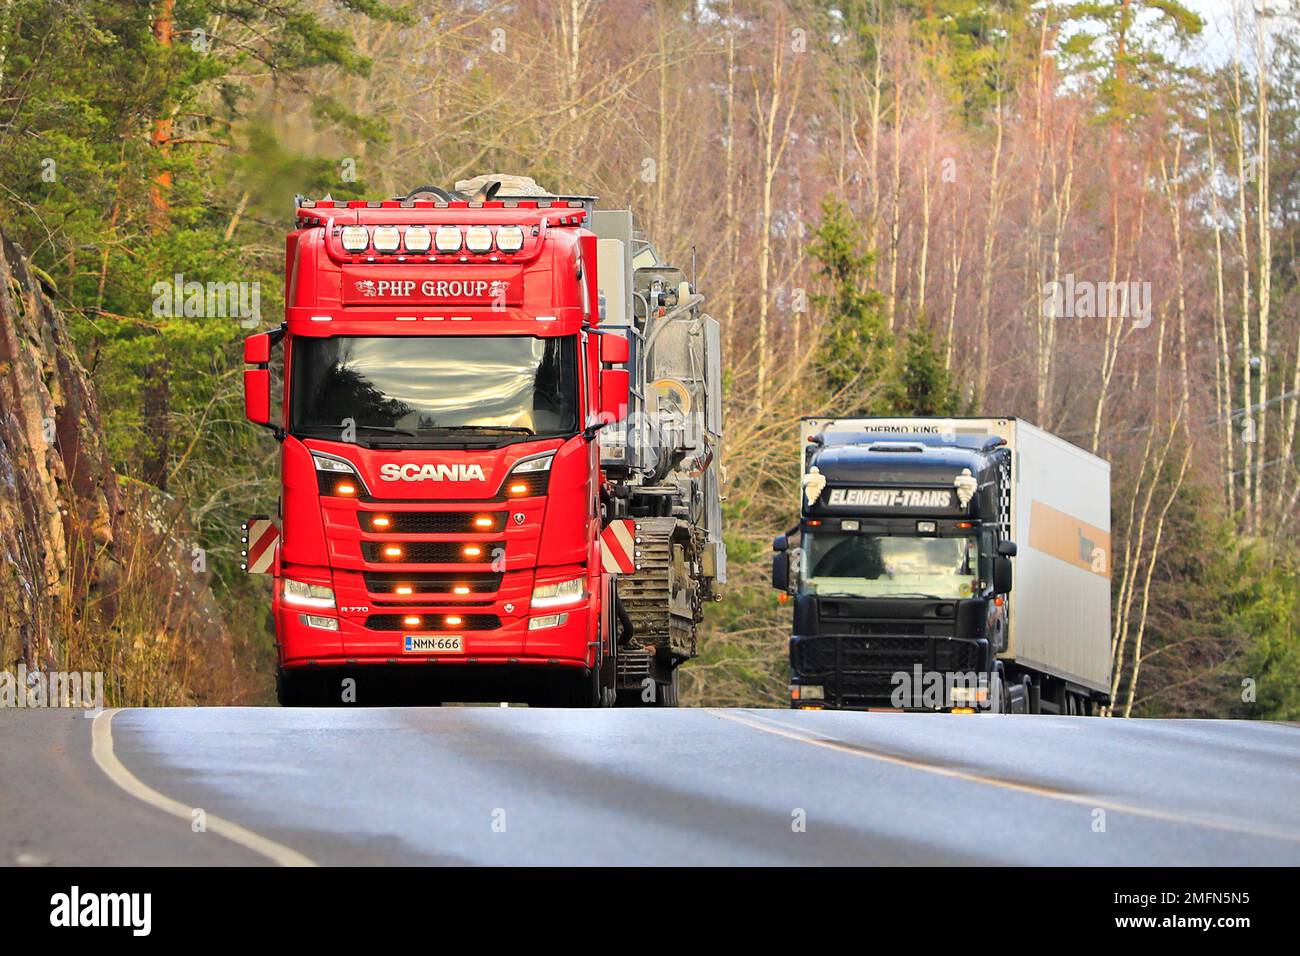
x=866 y=565
x=415 y=387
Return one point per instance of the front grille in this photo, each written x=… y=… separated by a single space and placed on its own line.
x=432 y=582
x=398 y=622
x=431 y=552
x=431 y=522
x=884 y=628
x=862 y=669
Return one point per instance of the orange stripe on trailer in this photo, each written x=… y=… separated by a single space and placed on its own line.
x=263 y=536
x=618 y=547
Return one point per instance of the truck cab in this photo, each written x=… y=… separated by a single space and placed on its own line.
x=442 y=396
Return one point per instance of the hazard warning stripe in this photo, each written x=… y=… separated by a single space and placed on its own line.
x=263 y=536
x=618 y=547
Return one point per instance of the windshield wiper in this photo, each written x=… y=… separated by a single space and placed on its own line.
x=392 y=429
x=510 y=429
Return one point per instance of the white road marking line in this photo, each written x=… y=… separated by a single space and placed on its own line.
x=102 y=751
x=1169 y=816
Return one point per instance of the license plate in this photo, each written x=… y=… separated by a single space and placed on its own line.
x=432 y=644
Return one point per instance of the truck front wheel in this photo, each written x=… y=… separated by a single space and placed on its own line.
x=296 y=688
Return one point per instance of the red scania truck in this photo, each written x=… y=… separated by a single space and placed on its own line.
x=499 y=428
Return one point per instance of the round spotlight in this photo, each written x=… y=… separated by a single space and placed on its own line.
x=355 y=238
x=447 y=239
x=417 y=239
x=510 y=238
x=386 y=239
x=478 y=239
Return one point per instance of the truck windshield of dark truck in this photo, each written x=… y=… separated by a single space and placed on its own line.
x=411 y=386
x=865 y=565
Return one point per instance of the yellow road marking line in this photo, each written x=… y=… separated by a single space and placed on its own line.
x=102 y=751
x=1169 y=816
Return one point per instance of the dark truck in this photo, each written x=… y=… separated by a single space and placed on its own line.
x=901 y=568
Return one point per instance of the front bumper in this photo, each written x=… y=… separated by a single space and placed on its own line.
x=511 y=642
x=872 y=672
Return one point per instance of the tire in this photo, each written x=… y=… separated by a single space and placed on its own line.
x=296 y=688
x=669 y=694
x=570 y=691
x=665 y=694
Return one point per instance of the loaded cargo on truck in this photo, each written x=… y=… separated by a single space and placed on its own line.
x=901 y=568
x=499 y=428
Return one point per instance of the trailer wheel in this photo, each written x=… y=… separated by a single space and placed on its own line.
x=669 y=695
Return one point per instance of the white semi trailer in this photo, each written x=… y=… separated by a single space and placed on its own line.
x=901 y=569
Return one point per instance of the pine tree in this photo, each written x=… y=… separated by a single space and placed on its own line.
x=853 y=355
x=925 y=387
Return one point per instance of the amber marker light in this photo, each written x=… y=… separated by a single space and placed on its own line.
x=472 y=551
x=392 y=551
x=344 y=488
x=402 y=589
x=483 y=521
x=451 y=620
x=380 y=521
x=519 y=488
x=411 y=621
x=460 y=589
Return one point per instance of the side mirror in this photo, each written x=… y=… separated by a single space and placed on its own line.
x=257 y=380
x=1001 y=575
x=781 y=543
x=781 y=570
x=257 y=395
x=614 y=349
x=1007 y=549
x=257 y=349
x=614 y=384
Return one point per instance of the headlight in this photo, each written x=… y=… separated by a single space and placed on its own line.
x=418 y=239
x=447 y=239
x=478 y=238
x=530 y=465
x=970 y=695
x=332 y=464
x=386 y=238
x=562 y=592
x=510 y=238
x=547 y=620
x=334 y=476
x=529 y=477
x=307 y=595
x=355 y=238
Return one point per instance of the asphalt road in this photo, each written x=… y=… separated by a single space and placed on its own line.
x=486 y=785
